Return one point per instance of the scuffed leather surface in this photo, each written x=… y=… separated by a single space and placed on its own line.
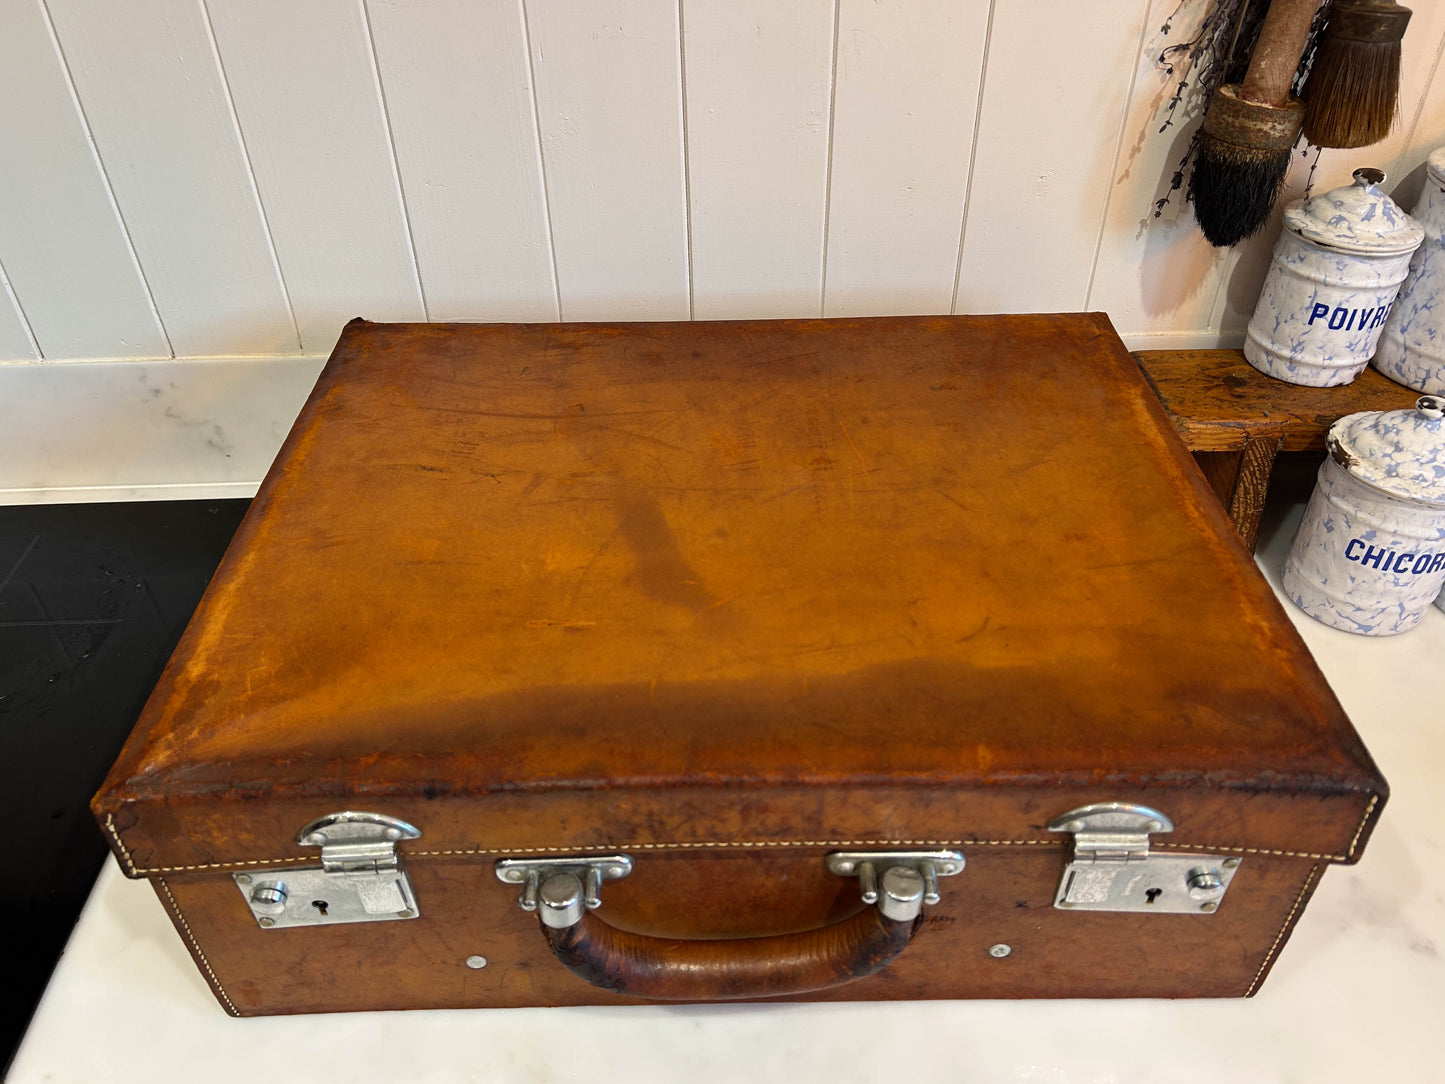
x=571 y=585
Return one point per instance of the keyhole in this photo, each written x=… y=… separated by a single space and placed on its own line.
x=321 y=905
x=1151 y=895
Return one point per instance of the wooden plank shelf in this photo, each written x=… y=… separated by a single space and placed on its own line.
x=1236 y=419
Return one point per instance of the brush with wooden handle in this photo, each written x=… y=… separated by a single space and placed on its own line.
x=1250 y=129
x=1353 y=90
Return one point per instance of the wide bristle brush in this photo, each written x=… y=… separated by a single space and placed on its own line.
x=1353 y=90
x=1250 y=129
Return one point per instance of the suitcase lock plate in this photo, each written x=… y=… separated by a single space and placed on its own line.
x=361 y=877
x=1112 y=868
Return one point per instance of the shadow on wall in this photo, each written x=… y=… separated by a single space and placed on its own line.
x=1178 y=263
x=1177 y=270
x=1407 y=192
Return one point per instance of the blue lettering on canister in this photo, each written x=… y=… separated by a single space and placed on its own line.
x=1343 y=319
x=1388 y=560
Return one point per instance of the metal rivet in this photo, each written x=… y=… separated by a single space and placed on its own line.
x=1231 y=863
x=476 y=963
x=268 y=922
x=1155 y=826
x=405 y=913
x=1209 y=907
x=1074 y=826
x=998 y=952
x=243 y=879
x=315 y=839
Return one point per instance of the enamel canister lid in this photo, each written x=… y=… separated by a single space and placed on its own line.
x=1400 y=452
x=1435 y=165
x=1358 y=217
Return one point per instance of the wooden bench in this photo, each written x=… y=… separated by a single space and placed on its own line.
x=1236 y=420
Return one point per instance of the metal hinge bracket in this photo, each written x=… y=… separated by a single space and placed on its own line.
x=899 y=882
x=361 y=877
x=562 y=888
x=1112 y=868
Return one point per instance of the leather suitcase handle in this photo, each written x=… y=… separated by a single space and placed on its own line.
x=665 y=969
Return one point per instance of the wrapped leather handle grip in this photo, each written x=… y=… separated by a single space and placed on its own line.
x=666 y=969
x=564 y=891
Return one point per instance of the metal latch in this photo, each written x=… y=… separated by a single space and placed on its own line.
x=361 y=877
x=1112 y=868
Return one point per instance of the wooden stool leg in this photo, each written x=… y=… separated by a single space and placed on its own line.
x=1240 y=480
x=1247 y=502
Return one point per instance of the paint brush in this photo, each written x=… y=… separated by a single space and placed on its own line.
x=1353 y=90
x=1250 y=129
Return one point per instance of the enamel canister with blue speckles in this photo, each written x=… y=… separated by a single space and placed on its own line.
x=1412 y=348
x=1334 y=276
x=1369 y=555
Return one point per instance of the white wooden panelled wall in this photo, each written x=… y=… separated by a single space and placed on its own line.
x=222 y=179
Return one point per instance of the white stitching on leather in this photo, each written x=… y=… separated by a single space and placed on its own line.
x=1251 y=850
x=1268 y=956
x=584 y=848
x=120 y=845
x=1374 y=801
x=196 y=948
x=137 y=871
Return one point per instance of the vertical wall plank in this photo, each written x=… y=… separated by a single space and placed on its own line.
x=64 y=248
x=903 y=120
x=1057 y=76
x=1400 y=153
x=305 y=91
x=458 y=93
x=148 y=81
x=1156 y=275
x=15 y=342
x=758 y=81
x=1427 y=130
x=609 y=100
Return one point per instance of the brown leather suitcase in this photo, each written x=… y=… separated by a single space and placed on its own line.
x=730 y=628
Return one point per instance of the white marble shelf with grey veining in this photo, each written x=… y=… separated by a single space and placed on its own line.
x=1356 y=995
x=145 y=430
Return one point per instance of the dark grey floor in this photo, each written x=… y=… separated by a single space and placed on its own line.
x=93 y=598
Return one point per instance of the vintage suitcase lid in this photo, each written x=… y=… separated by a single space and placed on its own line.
x=774 y=583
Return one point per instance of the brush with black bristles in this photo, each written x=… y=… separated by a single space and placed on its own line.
x=1250 y=129
x=1353 y=90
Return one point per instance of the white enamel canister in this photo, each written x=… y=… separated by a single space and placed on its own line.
x=1412 y=348
x=1369 y=556
x=1335 y=273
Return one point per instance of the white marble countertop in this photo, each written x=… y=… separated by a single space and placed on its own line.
x=1356 y=995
